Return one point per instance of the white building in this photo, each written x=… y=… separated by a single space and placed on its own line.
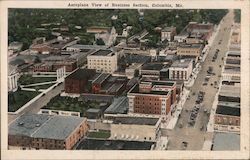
x=168 y=33
x=103 y=61
x=135 y=129
x=181 y=69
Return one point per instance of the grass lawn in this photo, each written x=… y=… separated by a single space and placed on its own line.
x=17 y=99
x=28 y=79
x=70 y=104
x=99 y=134
x=46 y=86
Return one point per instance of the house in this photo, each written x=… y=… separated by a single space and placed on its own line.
x=168 y=33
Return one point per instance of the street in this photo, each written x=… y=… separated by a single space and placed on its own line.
x=35 y=107
x=196 y=135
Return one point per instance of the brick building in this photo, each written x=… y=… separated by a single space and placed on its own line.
x=38 y=131
x=153 y=97
x=190 y=50
x=78 y=81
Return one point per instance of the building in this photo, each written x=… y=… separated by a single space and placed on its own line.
x=130 y=129
x=98 y=144
x=205 y=30
x=153 y=70
x=189 y=50
x=153 y=97
x=43 y=67
x=181 y=69
x=226 y=142
x=78 y=81
x=168 y=34
x=38 y=131
x=15 y=46
x=103 y=61
x=227 y=116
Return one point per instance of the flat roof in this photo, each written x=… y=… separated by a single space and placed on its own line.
x=183 y=63
x=135 y=58
x=168 y=29
x=226 y=110
x=136 y=120
x=190 y=46
x=230 y=90
x=152 y=66
x=94 y=144
x=82 y=74
x=135 y=89
x=226 y=141
x=45 y=126
x=102 y=52
x=119 y=105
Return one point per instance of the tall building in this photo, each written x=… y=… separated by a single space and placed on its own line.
x=103 y=61
x=181 y=69
x=153 y=97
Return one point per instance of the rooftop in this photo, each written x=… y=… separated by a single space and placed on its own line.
x=231 y=91
x=136 y=120
x=168 y=29
x=119 y=105
x=102 y=52
x=82 y=74
x=43 y=126
x=183 y=63
x=225 y=110
x=153 y=66
x=190 y=46
x=135 y=89
x=87 y=47
x=226 y=141
x=94 y=144
x=135 y=58
x=101 y=78
x=229 y=104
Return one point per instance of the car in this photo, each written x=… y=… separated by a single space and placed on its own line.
x=204 y=83
x=211 y=84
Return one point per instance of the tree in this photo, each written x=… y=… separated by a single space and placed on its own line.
x=100 y=41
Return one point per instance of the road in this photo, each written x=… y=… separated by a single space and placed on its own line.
x=192 y=134
x=35 y=107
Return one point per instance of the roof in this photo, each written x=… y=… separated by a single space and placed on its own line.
x=94 y=144
x=226 y=141
x=101 y=78
x=229 y=104
x=119 y=105
x=190 y=46
x=225 y=110
x=135 y=89
x=135 y=58
x=43 y=126
x=183 y=63
x=102 y=52
x=168 y=29
x=83 y=47
x=82 y=74
x=136 y=120
x=229 y=91
x=153 y=66
x=93 y=110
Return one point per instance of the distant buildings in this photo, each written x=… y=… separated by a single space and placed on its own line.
x=39 y=131
x=155 y=98
x=181 y=69
x=107 y=34
x=15 y=46
x=168 y=33
x=130 y=129
x=103 y=61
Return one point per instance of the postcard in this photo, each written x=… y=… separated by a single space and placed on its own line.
x=88 y=79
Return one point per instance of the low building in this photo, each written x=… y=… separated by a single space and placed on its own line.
x=153 y=69
x=130 y=129
x=226 y=142
x=181 y=69
x=43 y=67
x=153 y=97
x=189 y=50
x=103 y=61
x=78 y=81
x=38 y=131
x=168 y=33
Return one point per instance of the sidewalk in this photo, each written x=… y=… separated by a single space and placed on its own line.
x=174 y=118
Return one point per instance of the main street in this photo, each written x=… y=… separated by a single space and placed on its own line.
x=194 y=135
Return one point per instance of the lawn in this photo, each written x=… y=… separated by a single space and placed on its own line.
x=17 y=99
x=28 y=79
x=70 y=104
x=99 y=134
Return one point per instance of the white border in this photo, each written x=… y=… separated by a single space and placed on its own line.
x=195 y=4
